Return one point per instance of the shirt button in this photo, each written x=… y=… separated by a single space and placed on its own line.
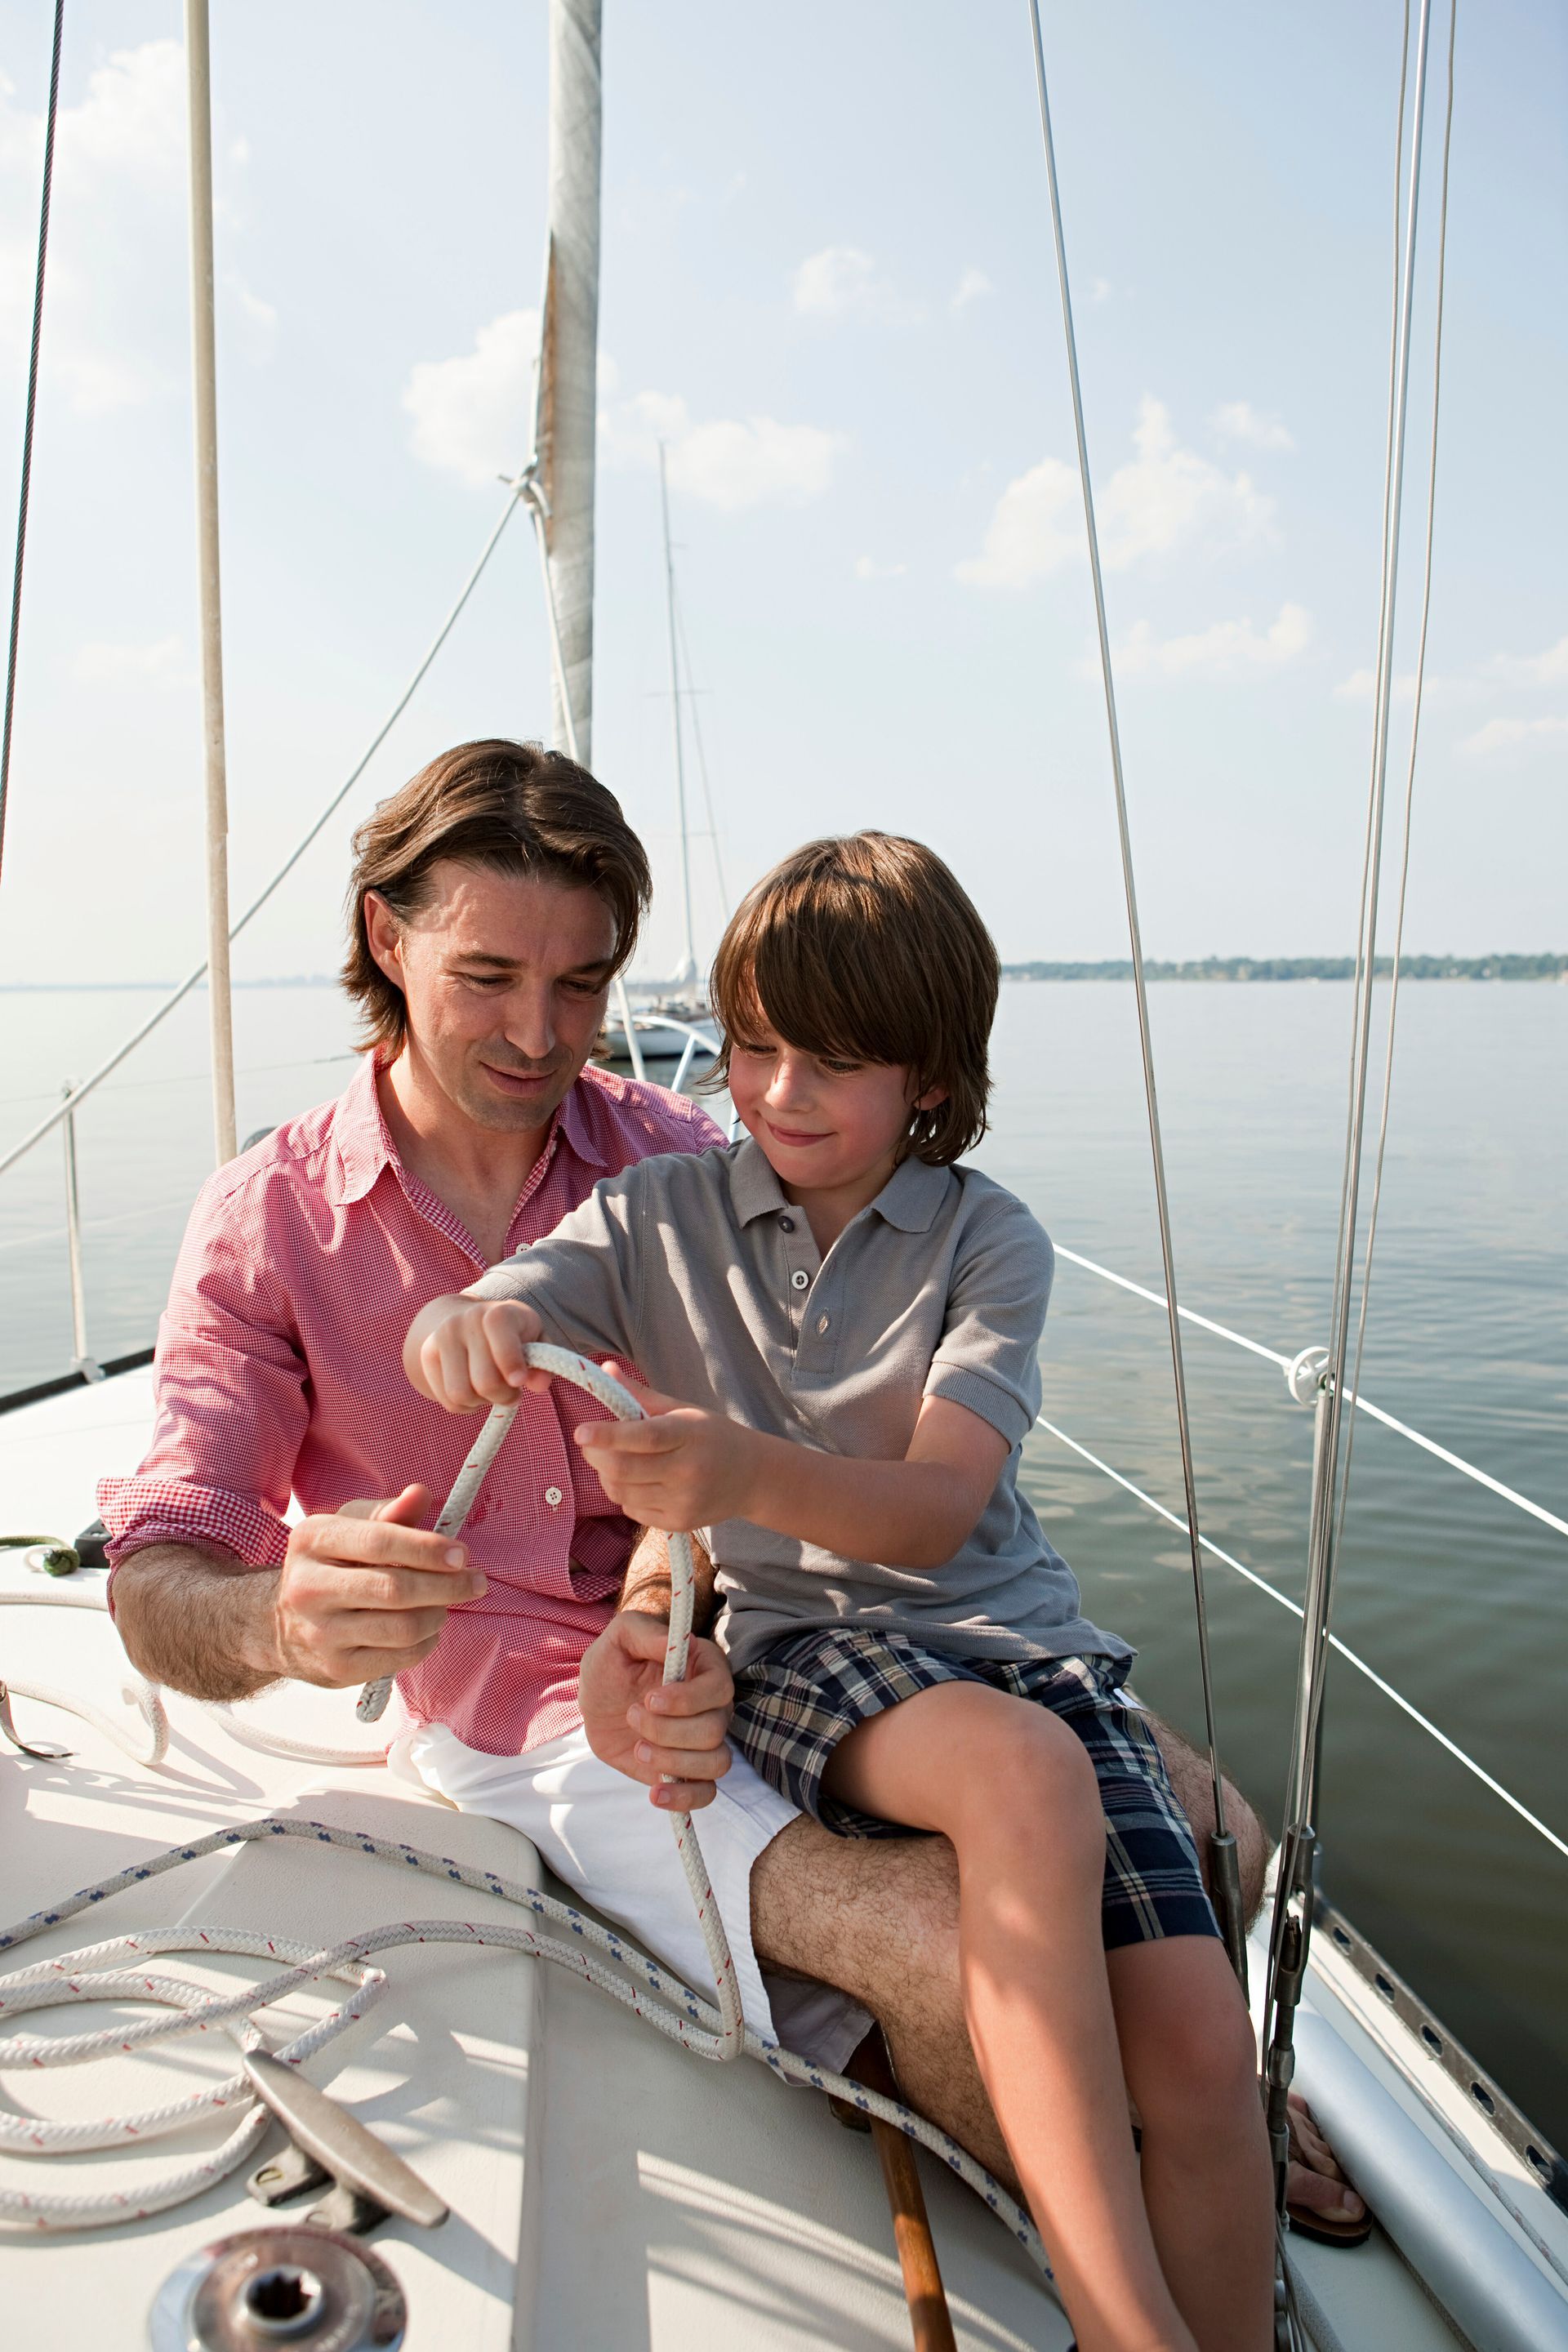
x=786 y=1224
x=553 y=1496
x=822 y=1323
x=800 y=1280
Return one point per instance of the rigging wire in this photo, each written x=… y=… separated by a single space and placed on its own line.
x=1290 y=1931
x=691 y=691
x=30 y=417
x=1224 y=1871
x=191 y=980
x=1351 y=1656
x=1420 y=681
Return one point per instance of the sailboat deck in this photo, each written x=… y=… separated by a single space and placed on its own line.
x=607 y=2188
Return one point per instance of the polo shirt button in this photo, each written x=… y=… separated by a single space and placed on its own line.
x=553 y=1496
x=786 y=1224
x=822 y=1323
x=800 y=1280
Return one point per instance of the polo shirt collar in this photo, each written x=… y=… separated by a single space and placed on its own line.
x=364 y=1146
x=908 y=1200
x=912 y=1195
x=753 y=1188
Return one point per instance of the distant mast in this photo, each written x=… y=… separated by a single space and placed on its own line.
x=568 y=362
x=688 y=972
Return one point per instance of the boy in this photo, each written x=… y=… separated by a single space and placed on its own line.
x=851 y=1322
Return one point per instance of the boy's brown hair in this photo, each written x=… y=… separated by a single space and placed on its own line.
x=515 y=808
x=866 y=949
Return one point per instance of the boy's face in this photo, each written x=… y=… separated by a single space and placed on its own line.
x=824 y=1125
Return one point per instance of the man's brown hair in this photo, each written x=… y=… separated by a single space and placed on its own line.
x=514 y=808
x=866 y=949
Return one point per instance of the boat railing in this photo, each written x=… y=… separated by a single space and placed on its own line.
x=1301 y=1372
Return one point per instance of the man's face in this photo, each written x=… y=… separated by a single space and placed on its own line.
x=505 y=977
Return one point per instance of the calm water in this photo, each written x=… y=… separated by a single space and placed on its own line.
x=1456 y=1598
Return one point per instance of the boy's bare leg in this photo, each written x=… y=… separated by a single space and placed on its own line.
x=1190 y=2060
x=1014 y=1792
x=878 y=1918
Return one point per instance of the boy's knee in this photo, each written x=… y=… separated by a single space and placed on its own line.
x=1027 y=1768
x=1204 y=2062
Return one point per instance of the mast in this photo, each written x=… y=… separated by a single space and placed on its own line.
x=568 y=362
x=220 y=1008
x=689 y=968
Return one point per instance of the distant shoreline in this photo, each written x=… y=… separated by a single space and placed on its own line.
x=1234 y=967
x=1216 y=967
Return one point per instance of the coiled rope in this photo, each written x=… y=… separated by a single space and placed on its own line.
x=116 y=1971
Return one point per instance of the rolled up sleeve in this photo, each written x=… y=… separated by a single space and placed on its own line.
x=989 y=1356
x=229 y=1381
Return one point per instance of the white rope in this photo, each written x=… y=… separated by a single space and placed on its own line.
x=142 y=1696
x=564 y=1365
x=1363 y=1404
x=1285 y=1601
x=675 y=2011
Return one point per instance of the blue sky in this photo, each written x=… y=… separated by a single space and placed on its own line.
x=827 y=285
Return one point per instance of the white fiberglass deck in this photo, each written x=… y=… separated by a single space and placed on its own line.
x=606 y=2189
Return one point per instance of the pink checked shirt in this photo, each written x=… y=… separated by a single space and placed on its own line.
x=279 y=1370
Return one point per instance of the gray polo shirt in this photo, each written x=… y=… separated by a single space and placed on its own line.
x=695 y=1269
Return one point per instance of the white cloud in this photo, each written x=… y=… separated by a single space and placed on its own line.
x=160 y=664
x=1361 y=683
x=1508 y=735
x=868 y=568
x=1225 y=649
x=1161 y=497
x=844 y=279
x=472 y=414
x=972 y=288
x=1550 y=669
x=1100 y=289
x=118 y=331
x=1240 y=421
x=728 y=462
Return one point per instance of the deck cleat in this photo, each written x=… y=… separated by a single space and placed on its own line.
x=330 y=2149
x=287 y=2285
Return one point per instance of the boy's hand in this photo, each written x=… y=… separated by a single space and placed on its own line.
x=679 y=1469
x=468 y=1352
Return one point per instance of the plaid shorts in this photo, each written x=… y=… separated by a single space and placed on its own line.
x=793 y=1705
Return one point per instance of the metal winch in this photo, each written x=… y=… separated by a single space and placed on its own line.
x=289 y=2285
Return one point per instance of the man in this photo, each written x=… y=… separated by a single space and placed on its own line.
x=493 y=900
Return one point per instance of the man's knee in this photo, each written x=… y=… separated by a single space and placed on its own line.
x=1193 y=1786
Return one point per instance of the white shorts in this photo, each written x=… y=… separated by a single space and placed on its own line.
x=596 y=1829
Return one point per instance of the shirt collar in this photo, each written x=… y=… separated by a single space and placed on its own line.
x=359 y=1132
x=753 y=1188
x=912 y=1195
x=365 y=1145
x=908 y=1200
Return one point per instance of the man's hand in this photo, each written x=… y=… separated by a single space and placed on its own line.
x=364 y=1592
x=669 y=1736
x=467 y=1352
x=679 y=1469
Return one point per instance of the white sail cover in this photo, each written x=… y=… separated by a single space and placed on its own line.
x=564 y=430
